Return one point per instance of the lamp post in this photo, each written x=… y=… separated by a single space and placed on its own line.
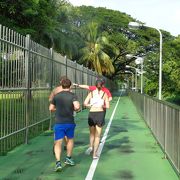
x=138 y=60
x=136 y=70
x=142 y=77
x=132 y=77
x=137 y=25
x=127 y=84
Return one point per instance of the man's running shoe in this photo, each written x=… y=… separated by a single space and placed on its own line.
x=88 y=151
x=58 y=166
x=69 y=161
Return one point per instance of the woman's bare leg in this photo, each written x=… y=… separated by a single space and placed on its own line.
x=97 y=139
x=91 y=136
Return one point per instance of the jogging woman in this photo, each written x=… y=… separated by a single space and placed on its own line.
x=95 y=100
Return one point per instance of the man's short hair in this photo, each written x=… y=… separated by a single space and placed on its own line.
x=66 y=83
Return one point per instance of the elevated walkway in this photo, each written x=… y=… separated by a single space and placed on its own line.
x=129 y=152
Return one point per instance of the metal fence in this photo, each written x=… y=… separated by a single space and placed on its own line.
x=164 y=121
x=28 y=73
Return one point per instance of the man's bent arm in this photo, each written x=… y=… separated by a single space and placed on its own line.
x=52 y=108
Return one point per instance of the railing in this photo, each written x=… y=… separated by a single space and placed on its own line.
x=164 y=121
x=28 y=72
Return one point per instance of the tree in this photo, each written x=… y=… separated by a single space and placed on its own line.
x=93 y=55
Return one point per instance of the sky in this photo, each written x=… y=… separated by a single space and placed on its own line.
x=160 y=14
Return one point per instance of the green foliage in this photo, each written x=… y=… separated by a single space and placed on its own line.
x=57 y=24
x=175 y=99
x=93 y=54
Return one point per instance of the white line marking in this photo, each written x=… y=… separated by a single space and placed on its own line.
x=101 y=145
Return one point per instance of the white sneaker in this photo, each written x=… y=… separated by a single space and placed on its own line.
x=95 y=157
x=88 y=151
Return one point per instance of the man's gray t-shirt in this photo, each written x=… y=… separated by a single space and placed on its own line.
x=64 y=107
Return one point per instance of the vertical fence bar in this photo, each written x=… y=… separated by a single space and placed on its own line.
x=82 y=95
x=27 y=79
x=51 y=68
x=75 y=79
x=51 y=83
x=66 y=64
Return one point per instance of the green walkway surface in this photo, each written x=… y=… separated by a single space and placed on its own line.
x=130 y=152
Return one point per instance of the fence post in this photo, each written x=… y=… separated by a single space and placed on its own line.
x=165 y=132
x=75 y=79
x=82 y=83
x=51 y=82
x=66 y=64
x=51 y=68
x=28 y=85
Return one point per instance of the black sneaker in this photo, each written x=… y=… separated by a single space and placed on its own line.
x=69 y=161
x=58 y=167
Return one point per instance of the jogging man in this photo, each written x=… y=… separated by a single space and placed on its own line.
x=55 y=91
x=64 y=103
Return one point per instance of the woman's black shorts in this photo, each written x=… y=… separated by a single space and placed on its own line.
x=96 y=118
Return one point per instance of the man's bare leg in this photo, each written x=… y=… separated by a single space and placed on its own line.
x=70 y=145
x=65 y=142
x=57 y=149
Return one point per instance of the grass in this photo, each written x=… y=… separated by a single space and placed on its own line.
x=14 y=114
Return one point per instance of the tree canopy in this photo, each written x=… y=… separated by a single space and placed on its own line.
x=99 y=38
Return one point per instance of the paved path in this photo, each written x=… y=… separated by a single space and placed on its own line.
x=129 y=153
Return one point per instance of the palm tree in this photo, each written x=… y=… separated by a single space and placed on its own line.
x=93 y=54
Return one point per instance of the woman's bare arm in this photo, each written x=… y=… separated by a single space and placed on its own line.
x=87 y=100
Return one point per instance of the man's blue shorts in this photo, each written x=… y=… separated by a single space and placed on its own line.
x=61 y=130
